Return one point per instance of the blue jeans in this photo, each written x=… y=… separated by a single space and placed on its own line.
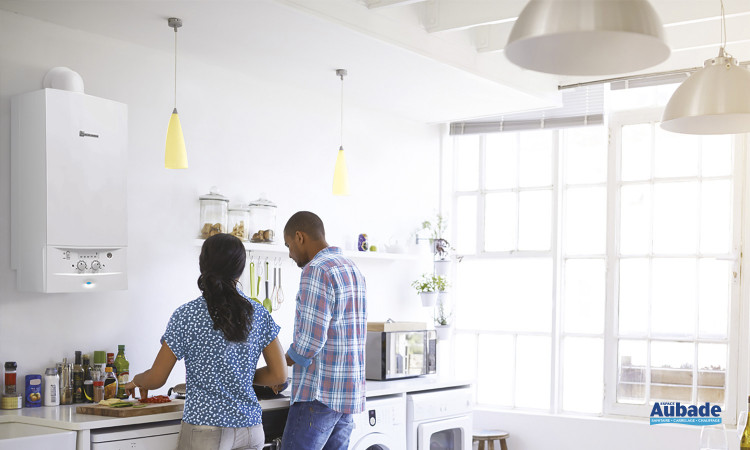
x=314 y=426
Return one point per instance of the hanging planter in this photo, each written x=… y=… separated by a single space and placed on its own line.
x=444 y=332
x=442 y=267
x=428 y=286
x=428 y=298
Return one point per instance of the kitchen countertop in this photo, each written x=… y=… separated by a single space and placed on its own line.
x=65 y=417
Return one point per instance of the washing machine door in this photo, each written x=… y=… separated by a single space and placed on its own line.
x=374 y=441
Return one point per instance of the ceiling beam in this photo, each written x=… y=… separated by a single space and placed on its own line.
x=447 y=15
x=375 y=4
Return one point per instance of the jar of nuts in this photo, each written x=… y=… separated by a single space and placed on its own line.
x=214 y=212
x=239 y=221
x=262 y=220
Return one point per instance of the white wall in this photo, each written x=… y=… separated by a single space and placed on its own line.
x=247 y=135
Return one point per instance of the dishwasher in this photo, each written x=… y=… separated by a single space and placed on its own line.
x=148 y=436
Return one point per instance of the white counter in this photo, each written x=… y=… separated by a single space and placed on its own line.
x=65 y=417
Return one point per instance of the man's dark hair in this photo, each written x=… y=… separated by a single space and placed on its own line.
x=306 y=222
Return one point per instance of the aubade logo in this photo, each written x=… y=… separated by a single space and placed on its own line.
x=676 y=412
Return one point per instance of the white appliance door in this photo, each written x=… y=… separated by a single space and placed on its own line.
x=446 y=434
x=163 y=442
x=374 y=441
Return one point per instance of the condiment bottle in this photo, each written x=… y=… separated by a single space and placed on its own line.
x=123 y=372
x=10 y=378
x=78 y=379
x=100 y=360
x=110 y=383
x=88 y=381
x=66 y=383
x=51 y=387
x=111 y=362
x=98 y=390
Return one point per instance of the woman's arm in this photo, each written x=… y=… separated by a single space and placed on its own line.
x=157 y=375
x=275 y=371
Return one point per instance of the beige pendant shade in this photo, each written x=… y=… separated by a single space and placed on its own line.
x=340 y=172
x=175 y=153
x=587 y=37
x=713 y=100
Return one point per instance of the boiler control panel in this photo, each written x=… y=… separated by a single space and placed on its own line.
x=84 y=269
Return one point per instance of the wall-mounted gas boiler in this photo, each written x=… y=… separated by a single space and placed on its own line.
x=68 y=192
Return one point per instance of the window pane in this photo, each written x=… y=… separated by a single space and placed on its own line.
x=535 y=151
x=466 y=229
x=712 y=368
x=467 y=162
x=717 y=155
x=533 y=372
x=583 y=378
x=672 y=371
x=585 y=221
x=466 y=357
x=495 y=382
x=635 y=219
x=505 y=294
x=636 y=152
x=500 y=219
x=714 y=291
x=585 y=155
x=535 y=220
x=675 y=154
x=676 y=217
x=631 y=357
x=716 y=216
x=634 y=295
x=501 y=155
x=584 y=293
x=673 y=296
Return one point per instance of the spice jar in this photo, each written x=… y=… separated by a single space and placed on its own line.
x=213 y=213
x=239 y=221
x=262 y=220
x=10 y=378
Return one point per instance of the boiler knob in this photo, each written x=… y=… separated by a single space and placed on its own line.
x=81 y=265
x=96 y=265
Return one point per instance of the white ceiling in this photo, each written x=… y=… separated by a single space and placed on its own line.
x=430 y=60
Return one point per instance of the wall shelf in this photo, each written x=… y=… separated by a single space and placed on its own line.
x=281 y=250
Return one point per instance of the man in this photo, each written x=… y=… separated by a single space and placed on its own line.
x=328 y=348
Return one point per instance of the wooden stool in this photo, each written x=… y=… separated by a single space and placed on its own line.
x=490 y=436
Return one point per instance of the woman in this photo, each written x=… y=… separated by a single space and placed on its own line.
x=221 y=335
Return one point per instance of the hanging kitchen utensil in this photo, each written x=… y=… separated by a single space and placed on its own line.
x=275 y=291
x=267 y=301
x=253 y=288
x=280 y=292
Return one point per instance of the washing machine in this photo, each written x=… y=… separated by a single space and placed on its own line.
x=381 y=426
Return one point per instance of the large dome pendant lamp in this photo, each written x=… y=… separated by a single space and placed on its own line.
x=587 y=37
x=713 y=100
x=175 y=155
x=340 y=173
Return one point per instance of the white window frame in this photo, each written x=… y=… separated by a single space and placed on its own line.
x=738 y=363
x=611 y=407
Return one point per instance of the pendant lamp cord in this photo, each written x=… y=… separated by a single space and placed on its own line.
x=175 y=68
x=342 y=111
x=722 y=51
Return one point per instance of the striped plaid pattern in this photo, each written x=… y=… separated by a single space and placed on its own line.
x=330 y=326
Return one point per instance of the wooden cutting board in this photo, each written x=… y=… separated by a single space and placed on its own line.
x=101 y=410
x=396 y=326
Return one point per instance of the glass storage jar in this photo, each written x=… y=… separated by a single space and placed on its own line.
x=214 y=213
x=239 y=221
x=262 y=220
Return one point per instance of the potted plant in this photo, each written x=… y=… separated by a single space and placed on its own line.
x=443 y=327
x=428 y=286
x=441 y=248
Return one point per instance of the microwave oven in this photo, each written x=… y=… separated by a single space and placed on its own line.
x=400 y=354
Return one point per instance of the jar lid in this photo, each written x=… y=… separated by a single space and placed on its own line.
x=10 y=365
x=214 y=194
x=236 y=207
x=263 y=201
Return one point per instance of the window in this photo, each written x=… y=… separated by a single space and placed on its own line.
x=597 y=256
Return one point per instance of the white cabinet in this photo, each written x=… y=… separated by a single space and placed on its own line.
x=68 y=192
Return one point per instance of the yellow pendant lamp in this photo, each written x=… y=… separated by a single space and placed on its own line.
x=340 y=173
x=175 y=155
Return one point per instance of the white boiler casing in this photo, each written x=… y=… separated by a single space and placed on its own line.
x=68 y=192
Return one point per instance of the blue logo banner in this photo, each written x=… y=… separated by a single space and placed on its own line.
x=675 y=412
